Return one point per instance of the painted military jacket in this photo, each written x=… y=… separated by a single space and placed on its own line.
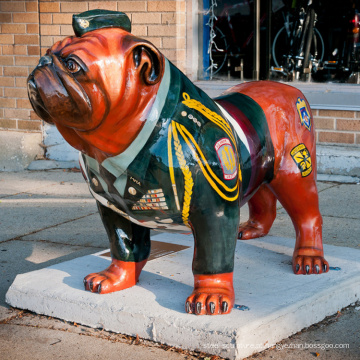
x=194 y=159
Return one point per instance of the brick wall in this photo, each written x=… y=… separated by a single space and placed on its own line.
x=338 y=127
x=28 y=28
x=19 y=53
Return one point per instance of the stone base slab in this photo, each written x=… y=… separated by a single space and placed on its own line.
x=280 y=303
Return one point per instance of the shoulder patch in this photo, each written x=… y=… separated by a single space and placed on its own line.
x=301 y=156
x=303 y=113
x=226 y=155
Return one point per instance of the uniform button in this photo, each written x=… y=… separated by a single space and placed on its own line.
x=132 y=191
x=94 y=181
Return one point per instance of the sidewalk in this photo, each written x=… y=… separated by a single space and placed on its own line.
x=48 y=217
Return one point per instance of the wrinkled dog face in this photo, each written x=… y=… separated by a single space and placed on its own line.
x=105 y=76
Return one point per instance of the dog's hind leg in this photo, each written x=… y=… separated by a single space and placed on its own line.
x=262 y=213
x=130 y=249
x=299 y=197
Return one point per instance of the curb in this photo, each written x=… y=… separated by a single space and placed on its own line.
x=39 y=165
x=338 y=160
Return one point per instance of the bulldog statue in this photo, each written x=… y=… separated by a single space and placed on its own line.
x=158 y=153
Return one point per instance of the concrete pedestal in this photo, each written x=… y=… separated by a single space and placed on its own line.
x=280 y=303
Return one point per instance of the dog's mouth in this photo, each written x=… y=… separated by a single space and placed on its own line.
x=36 y=100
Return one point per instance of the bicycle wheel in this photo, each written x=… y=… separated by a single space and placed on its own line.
x=282 y=53
x=279 y=46
x=219 y=51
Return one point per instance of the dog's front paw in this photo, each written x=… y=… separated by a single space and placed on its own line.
x=212 y=295
x=119 y=275
x=306 y=264
x=202 y=302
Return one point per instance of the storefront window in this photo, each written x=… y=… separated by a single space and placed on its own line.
x=299 y=40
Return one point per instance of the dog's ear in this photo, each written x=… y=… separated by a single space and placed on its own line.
x=150 y=63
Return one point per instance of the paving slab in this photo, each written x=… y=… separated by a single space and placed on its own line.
x=87 y=231
x=17 y=257
x=26 y=213
x=335 y=338
x=12 y=183
x=154 y=309
x=45 y=344
x=341 y=201
x=32 y=201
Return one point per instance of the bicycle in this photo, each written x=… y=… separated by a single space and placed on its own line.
x=298 y=47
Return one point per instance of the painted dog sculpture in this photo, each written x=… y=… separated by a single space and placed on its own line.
x=158 y=153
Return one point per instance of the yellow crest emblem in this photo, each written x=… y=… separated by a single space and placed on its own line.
x=301 y=156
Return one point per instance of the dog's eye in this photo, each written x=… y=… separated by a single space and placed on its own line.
x=72 y=66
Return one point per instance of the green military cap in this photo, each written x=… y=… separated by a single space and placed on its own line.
x=98 y=19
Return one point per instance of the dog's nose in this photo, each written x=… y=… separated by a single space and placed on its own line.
x=45 y=60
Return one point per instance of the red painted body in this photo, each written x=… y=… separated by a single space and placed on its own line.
x=297 y=194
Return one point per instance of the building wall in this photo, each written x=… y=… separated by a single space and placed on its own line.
x=337 y=126
x=19 y=53
x=28 y=28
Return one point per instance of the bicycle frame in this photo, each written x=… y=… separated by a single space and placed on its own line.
x=300 y=35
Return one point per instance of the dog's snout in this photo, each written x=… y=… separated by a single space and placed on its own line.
x=45 y=60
